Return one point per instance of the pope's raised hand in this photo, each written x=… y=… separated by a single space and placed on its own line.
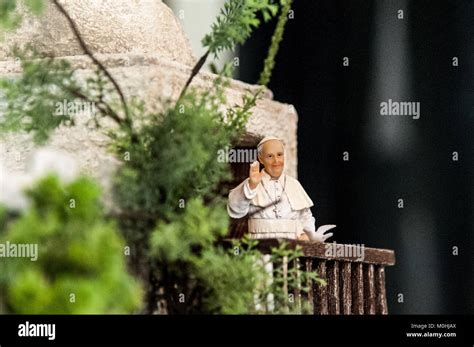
x=255 y=175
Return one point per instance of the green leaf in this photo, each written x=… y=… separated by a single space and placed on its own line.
x=30 y=101
x=236 y=22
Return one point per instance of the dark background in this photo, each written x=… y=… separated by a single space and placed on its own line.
x=390 y=158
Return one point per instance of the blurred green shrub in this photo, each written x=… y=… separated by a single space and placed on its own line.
x=81 y=264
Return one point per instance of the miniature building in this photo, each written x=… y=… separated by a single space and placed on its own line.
x=143 y=46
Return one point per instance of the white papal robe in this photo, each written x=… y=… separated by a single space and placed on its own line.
x=290 y=218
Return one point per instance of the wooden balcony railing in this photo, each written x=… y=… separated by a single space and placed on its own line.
x=354 y=285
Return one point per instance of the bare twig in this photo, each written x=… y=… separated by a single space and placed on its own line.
x=101 y=105
x=101 y=67
x=194 y=72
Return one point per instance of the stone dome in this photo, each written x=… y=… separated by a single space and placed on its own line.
x=107 y=26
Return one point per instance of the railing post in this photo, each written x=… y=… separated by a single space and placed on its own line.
x=285 y=281
x=297 y=289
x=358 y=289
x=333 y=287
x=355 y=285
x=320 y=292
x=346 y=288
x=369 y=285
x=309 y=296
x=380 y=289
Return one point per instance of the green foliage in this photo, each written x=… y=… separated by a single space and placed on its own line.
x=284 y=281
x=212 y=279
x=236 y=21
x=169 y=173
x=33 y=103
x=30 y=101
x=230 y=278
x=275 y=44
x=36 y=6
x=192 y=262
x=183 y=140
x=3 y=218
x=175 y=158
x=168 y=190
x=237 y=116
x=79 y=253
x=10 y=19
x=198 y=227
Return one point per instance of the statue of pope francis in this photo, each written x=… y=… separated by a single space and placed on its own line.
x=276 y=204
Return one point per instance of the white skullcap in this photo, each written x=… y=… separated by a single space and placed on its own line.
x=268 y=138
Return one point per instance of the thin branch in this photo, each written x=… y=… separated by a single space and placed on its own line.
x=101 y=67
x=108 y=111
x=275 y=44
x=194 y=72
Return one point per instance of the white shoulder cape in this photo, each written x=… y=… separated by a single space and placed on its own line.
x=297 y=196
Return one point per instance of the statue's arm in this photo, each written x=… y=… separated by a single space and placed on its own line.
x=308 y=221
x=238 y=203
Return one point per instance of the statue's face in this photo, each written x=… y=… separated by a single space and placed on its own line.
x=273 y=157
